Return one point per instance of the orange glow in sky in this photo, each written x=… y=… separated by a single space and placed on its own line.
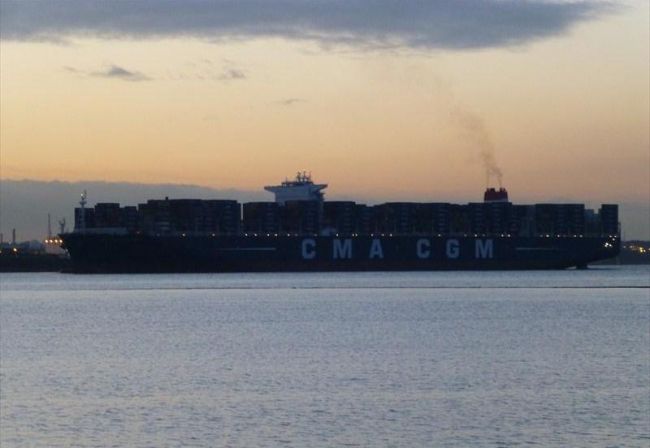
x=563 y=116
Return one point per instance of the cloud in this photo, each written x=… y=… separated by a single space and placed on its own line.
x=117 y=72
x=446 y=24
x=208 y=70
x=291 y=101
x=227 y=70
x=73 y=70
x=231 y=74
x=111 y=71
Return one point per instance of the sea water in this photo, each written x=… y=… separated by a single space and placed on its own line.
x=549 y=358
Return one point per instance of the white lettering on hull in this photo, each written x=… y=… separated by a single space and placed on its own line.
x=308 y=249
x=342 y=249
x=452 y=249
x=483 y=249
x=376 y=251
x=423 y=248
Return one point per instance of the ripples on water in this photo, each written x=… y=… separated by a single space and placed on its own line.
x=557 y=358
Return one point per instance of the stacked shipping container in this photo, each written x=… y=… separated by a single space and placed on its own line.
x=224 y=217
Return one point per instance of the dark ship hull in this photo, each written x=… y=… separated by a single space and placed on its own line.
x=300 y=231
x=136 y=253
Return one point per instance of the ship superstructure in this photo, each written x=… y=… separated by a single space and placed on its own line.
x=302 y=188
x=300 y=231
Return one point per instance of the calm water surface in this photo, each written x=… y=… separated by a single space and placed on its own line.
x=558 y=358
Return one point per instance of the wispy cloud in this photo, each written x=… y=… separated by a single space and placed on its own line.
x=446 y=24
x=205 y=69
x=117 y=72
x=290 y=101
x=73 y=70
x=231 y=74
x=111 y=71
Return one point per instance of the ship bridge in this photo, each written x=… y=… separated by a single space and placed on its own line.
x=302 y=188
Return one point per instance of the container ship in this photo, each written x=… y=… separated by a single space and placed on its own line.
x=300 y=231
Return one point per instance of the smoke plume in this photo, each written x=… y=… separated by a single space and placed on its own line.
x=474 y=130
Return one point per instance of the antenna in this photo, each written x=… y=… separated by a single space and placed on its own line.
x=62 y=225
x=82 y=218
x=49 y=226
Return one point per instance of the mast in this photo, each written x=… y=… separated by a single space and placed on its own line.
x=82 y=218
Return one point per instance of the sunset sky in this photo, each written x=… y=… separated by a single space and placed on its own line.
x=382 y=98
